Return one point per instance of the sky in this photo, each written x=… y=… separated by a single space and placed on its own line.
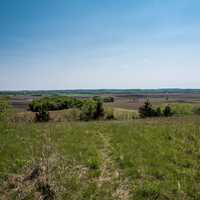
x=99 y=44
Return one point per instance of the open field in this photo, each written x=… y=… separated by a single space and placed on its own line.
x=140 y=159
x=126 y=99
x=120 y=158
x=136 y=100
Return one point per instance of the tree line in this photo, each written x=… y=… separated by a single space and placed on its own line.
x=90 y=108
x=147 y=110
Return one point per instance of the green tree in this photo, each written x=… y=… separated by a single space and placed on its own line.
x=88 y=110
x=99 y=108
x=167 y=112
x=42 y=115
x=146 y=110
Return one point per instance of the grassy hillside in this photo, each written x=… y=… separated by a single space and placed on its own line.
x=140 y=159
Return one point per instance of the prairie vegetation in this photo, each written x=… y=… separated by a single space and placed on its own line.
x=99 y=152
x=142 y=159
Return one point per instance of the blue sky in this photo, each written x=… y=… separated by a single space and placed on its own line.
x=71 y=44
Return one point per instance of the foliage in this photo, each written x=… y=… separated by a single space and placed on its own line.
x=4 y=109
x=91 y=109
x=3 y=106
x=99 y=108
x=147 y=110
x=99 y=91
x=196 y=110
x=55 y=103
x=42 y=115
x=93 y=163
x=109 y=114
x=167 y=112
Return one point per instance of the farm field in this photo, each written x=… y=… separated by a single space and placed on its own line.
x=139 y=159
x=124 y=99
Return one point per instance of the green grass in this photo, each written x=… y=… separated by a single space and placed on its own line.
x=140 y=159
x=182 y=109
x=125 y=114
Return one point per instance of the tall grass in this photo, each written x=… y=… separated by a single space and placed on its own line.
x=181 y=109
x=125 y=114
x=140 y=159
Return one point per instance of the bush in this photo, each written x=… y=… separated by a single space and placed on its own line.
x=42 y=115
x=109 y=114
x=99 y=108
x=167 y=112
x=196 y=110
x=88 y=110
x=146 y=110
x=4 y=109
x=92 y=109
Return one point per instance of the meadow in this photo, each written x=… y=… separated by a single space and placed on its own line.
x=140 y=159
x=124 y=158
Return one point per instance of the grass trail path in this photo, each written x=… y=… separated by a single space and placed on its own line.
x=110 y=173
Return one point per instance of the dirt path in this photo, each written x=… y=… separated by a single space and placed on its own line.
x=110 y=172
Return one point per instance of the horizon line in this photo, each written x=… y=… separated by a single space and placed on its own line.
x=90 y=89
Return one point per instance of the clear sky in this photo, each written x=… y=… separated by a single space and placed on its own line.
x=72 y=44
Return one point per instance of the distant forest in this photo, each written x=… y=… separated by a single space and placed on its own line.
x=87 y=92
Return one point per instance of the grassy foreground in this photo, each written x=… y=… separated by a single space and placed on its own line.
x=139 y=159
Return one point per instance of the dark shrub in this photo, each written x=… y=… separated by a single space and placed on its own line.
x=146 y=110
x=99 y=108
x=42 y=115
x=4 y=106
x=167 y=112
x=196 y=110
